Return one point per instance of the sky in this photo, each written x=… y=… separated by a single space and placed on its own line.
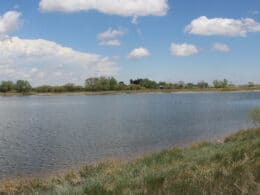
x=62 y=41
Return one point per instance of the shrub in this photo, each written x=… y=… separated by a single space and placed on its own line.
x=255 y=116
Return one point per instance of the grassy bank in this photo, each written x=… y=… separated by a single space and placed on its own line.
x=232 y=167
x=140 y=91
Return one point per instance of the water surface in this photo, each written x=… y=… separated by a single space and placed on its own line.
x=41 y=134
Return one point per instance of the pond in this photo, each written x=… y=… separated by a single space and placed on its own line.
x=40 y=134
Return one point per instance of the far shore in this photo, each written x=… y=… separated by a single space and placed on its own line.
x=141 y=91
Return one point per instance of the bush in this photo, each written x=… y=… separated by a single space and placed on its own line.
x=255 y=116
x=134 y=87
x=70 y=87
x=43 y=89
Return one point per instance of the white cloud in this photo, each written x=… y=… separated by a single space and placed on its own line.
x=115 y=7
x=134 y=20
x=9 y=22
x=42 y=61
x=182 y=50
x=109 y=37
x=113 y=42
x=139 y=53
x=111 y=34
x=222 y=26
x=221 y=47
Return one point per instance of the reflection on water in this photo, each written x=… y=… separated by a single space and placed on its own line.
x=39 y=134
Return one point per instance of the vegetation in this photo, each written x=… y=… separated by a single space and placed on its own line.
x=145 y=83
x=104 y=84
x=58 y=89
x=251 y=84
x=7 y=86
x=231 y=167
x=101 y=84
x=202 y=85
x=23 y=86
x=220 y=84
x=255 y=116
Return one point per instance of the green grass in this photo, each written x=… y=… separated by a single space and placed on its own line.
x=232 y=167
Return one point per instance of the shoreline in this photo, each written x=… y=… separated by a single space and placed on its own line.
x=62 y=171
x=145 y=91
x=179 y=160
x=45 y=174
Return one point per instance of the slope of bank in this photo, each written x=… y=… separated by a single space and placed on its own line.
x=232 y=167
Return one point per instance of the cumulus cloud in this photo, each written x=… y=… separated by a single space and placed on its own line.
x=221 y=47
x=9 y=22
x=222 y=26
x=113 y=42
x=115 y=7
x=139 y=53
x=42 y=61
x=111 y=34
x=182 y=50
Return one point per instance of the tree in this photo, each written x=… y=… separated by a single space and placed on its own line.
x=23 y=86
x=121 y=86
x=6 y=86
x=44 y=89
x=149 y=84
x=58 y=89
x=255 y=116
x=190 y=85
x=202 y=84
x=70 y=87
x=136 y=82
x=113 y=83
x=225 y=83
x=101 y=83
x=220 y=84
x=217 y=84
x=163 y=85
x=146 y=83
x=251 y=84
x=180 y=85
x=91 y=84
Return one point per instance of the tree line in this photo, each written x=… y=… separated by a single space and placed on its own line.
x=110 y=84
x=20 y=86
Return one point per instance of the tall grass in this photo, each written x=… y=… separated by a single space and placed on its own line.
x=232 y=167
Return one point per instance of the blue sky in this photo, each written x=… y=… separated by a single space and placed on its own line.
x=61 y=41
